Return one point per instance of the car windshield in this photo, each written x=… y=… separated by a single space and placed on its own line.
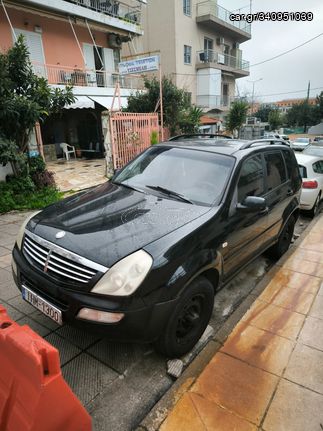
x=194 y=176
x=314 y=150
x=301 y=141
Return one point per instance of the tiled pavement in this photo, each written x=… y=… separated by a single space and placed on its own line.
x=90 y=365
x=78 y=174
x=268 y=375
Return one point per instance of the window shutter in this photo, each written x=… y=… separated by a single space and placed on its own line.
x=35 y=48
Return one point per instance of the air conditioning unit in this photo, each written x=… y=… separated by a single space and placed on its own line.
x=220 y=40
x=236 y=45
x=116 y=40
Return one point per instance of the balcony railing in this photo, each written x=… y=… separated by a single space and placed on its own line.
x=211 y=56
x=210 y=7
x=209 y=101
x=113 y=8
x=64 y=75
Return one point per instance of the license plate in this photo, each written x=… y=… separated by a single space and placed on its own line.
x=42 y=305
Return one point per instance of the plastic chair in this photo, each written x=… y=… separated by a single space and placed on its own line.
x=67 y=151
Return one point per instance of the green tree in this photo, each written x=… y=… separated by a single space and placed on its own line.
x=318 y=109
x=175 y=101
x=263 y=113
x=25 y=98
x=274 y=119
x=190 y=120
x=302 y=115
x=237 y=116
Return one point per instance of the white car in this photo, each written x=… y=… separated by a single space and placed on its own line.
x=300 y=143
x=311 y=168
x=277 y=136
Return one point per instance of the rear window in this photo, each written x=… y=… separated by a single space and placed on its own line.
x=303 y=171
x=276 y=173
x=314 y=150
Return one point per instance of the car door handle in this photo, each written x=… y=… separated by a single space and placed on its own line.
x=290 y=193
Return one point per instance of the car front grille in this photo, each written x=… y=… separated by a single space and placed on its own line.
x=58 y=262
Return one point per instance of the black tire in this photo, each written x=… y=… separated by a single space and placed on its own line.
x=284 y=240
x=316 y=206
x=188 y=320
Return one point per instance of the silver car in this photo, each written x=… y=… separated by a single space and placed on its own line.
x=300 y=144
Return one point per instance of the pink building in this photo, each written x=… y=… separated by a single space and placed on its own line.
x=76 y=42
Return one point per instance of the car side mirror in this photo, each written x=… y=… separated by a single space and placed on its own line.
x=252 y=204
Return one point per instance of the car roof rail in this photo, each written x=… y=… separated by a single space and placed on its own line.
x=264 y=142
x=198 y=135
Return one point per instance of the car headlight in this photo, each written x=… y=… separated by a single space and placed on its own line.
x=125 y=276
x=22 y=229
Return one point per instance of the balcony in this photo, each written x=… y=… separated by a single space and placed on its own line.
x=222 y=103
x=64 y=75
x=228 y=63
x=217 y=19
x=113 y=13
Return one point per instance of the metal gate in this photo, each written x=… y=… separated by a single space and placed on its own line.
x=130 y=134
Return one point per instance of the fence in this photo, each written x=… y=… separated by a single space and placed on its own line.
x=130 y=134
x=65 y=75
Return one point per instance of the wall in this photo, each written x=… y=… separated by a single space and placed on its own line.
x=60 y=46
x=159 y=27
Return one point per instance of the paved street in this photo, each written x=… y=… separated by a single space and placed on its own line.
x=267 y=375
x=107 y=376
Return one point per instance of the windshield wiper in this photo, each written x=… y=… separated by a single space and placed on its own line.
x=128 y=186
x=170 y=193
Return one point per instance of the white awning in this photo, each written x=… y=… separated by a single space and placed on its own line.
x=81 y=102
x=106 y=101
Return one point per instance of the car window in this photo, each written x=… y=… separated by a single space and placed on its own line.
x=291 y=165
x=275 y=167
x=303 y=171
x=251 y=181
x=318 y=167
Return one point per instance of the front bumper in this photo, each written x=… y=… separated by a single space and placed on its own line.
x=143 y=321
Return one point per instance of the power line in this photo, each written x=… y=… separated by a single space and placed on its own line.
x=287 y=52
x=261 y=62
x=288 y=92
x=242 y=7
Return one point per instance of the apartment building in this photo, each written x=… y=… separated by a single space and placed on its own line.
x=75 y=42
x=200 y=48
x=286 y=104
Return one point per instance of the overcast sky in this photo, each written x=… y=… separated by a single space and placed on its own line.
x=292 y=71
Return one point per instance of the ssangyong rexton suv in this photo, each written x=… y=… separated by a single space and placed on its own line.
x=141 y=257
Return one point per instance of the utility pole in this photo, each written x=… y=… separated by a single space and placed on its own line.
x=307 y=106
x=308 y=90
x=253 y=93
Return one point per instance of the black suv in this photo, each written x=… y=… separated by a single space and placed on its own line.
x=141 y=257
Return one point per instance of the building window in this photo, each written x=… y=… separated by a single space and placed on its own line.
x=187 y=7
x=187 y=54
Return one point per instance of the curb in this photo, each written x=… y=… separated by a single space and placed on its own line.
x=159 y=412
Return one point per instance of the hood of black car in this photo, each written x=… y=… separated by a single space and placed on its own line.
x=111 y=221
